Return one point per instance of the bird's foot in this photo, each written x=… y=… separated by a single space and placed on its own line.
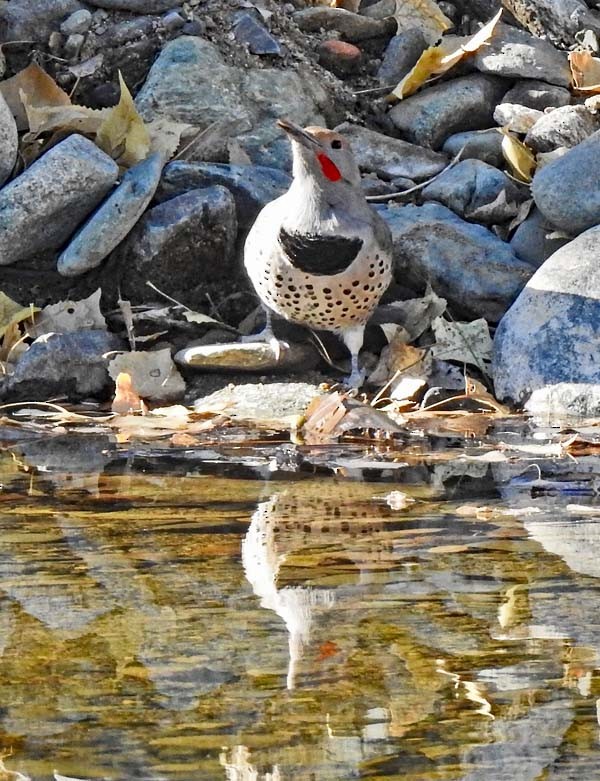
x=356 y=379
x=268 y=337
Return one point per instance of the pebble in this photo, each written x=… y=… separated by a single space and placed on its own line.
x=9 y=141
x=134 y=6
x=252 y=187
x=537 y=94
x=113 y=220
x=77 y=23
x=391 y=157
x=64 y=185
x=248 y=357
x=401 y=54
x=180 y=245
x=530 y=241
x=72 y=46
x=477 y=191
x=566 y=190
x=515 y=54
x=566 y=126
x=519 y=119
x=72 y=365
x=465 y=103
x=172 y=21
x=251 y=32
x=465 y=263
x=194 y=27
x=483 y=145
x=352 y=27
x=546 y=346
x=339 y=57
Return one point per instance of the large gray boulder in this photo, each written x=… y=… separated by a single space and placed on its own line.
x=546 y=346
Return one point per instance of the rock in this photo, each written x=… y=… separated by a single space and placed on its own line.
x=465 y=263
x=34 y=20
x=476 y=191
x=530 y=241
x=73 y=46
x=566 y=190
x=401 y=54
x=252 y=186
x=154 y=376
x=466 y=103
x=73 y=365
x=537 y=94
x=9 y=141
x=515 y=54
x=515 y=117
x=546 y=346
x=283 y=403
x=172 y=21
x=566 y=126
x=559 y=22
x=391 y=157
x=113 y=220
x=339 y=57
x=479 y=145
x=351 y=27
x=248 y=357
x=190 y=82
x=251 y=32
x=42 y=207
x=78 y=23
x=179 y=245
x=134 y=6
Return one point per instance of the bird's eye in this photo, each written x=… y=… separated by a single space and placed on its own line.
x=336 y=144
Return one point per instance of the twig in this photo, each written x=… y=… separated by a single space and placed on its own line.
x=167 y=296
x=390 y=196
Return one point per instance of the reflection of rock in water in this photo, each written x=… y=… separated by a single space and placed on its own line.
x=238 y=767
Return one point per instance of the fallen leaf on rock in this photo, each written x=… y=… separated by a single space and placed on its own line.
x=12 y=313
x=414 y=315
x=69 y=316
x=199 y=317
x=519 y=157
x=438 y=59
x=87 y=67
x=39 y=88
x=49 y=119
x=165 y=136
x=585 y=71
x=123 y=134
x=329 y=416
x=521 y=215
x=424 y=15
x=153 y=374
x=126 y=399
x=468 y=343
x=399 y=361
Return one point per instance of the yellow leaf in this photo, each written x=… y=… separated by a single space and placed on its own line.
x=123 y=134
x=585 y=72
x=422 y=14
x=48 y=119
x=438 y=59
x=519 y=157
x=38 y=86
x=347 y=5
x=12 y=313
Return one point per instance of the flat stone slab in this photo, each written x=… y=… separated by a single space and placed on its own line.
x=247 y=357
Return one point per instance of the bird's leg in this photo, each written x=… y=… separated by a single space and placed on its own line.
x=353 y=339
x=267 y=336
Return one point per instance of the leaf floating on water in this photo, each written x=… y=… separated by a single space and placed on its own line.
x=519 y=157
x=39 y=88
x=123 y=134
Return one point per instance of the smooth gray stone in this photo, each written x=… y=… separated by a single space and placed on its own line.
x=401 y=54
x=546 y=346
x=477 y=191
x=34 y=20
x=465 y=263
x=135 y=6
x=566 y=126
x=113 y=220
x=78 y=23
x=9 y=141
x=530 y=241
x=566 y=191
x=73 y=365
x=466 y=103
x=537 y=94
x=483 y=145
x=516 y=117
x=248 y=30
x=391 y=157
x=351 y=27
x=252 y=186
x=248 y=357
x=41 y=208
x=515 y=54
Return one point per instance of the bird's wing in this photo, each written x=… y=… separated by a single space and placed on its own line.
x=320 y=255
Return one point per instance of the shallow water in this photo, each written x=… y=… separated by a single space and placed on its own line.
x=257 y=615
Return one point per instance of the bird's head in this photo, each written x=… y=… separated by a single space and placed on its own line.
x=321 y=153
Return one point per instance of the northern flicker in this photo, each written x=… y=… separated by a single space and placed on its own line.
x=319 y=255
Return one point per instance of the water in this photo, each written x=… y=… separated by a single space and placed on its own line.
x=250 y=615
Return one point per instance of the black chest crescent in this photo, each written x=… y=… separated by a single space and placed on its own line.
x=319 y=255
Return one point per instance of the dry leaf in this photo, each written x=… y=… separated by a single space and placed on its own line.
x=438 y=59
x=39 y=88
x=87 y=67
x=165 y=136
x=69 y=316
x=469 y=343
x=153 y=374
x=399 y=358
x=126 y=399
x=585 y=71
x=422 y=14
x=521 y=215
x=49 y=119
x=12 y=313
x=181 y=439
x=123 y=134
x=519 y=157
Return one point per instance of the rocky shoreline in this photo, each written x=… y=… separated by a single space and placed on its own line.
x=165 y=233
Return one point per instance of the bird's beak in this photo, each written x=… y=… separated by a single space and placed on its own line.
x=298 y=134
